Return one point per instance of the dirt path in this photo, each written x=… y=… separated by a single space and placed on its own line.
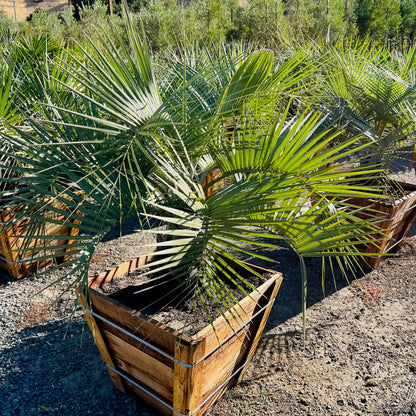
x=359 y=358
x=26 y=7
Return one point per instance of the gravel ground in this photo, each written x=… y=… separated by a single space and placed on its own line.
x=48 y=360
x=51 y=366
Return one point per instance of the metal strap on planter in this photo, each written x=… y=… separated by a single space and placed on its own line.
x=388 y=249
x=147 y=344
x=31 y=258
x=390 y=219
x=169 y=406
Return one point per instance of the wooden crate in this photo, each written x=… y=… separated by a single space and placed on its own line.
x=19 y=251
x=210 y=185
x=396 y=218
x=174 y=373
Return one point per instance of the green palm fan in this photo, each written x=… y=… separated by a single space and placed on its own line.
x=366 y=98
x=131 y=151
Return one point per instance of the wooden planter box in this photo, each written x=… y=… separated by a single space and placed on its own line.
x=210 y=178
x=16 y=242
x=174 y=373
x=396 y=218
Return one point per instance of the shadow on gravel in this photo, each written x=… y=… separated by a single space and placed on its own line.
x=4 y=278
x=289 y=298
x=56 y=369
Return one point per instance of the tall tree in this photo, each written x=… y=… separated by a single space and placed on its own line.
x=380 y=19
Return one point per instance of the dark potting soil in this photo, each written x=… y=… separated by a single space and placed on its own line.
x=174 y=302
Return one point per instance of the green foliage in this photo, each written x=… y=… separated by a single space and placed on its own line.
x=365 y=93
x=381 y=19
x=267 y=23
x=140 y=145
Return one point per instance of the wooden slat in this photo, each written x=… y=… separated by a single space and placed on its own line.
x=223 y=328
x=187 y=381
x=141 y=366
x=107 y=328
x=391 y=230
x=99 y=341
x=139 y=324
x=223 y=363
x=122 y=269
x=263 y=320
x=16 y=241
x=207 y=406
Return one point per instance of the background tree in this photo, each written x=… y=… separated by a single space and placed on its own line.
x=379 y=19
x=408 y=23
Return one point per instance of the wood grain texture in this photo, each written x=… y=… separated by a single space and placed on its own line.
x=102 y=347
x=395 y=219
x=208 y=367
x=21 y=243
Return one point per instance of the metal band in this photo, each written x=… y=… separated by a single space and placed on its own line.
x=147 y=344
x=26 y=259
x=388 y=219
x=169 y=406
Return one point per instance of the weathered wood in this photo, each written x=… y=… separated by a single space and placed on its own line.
x=199 y=367
x=208 y=183
x=414 y=159
x=20 y=250
x=187 y=381
x=141 y=366
x=223 y=325
x=224 y=362
x=263 y=320
x=395 y=220
x=138 y=324
x=101 y=345
x=124 y=268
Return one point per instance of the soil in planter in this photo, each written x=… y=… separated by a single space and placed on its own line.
x=171 y=302
x=394 y=190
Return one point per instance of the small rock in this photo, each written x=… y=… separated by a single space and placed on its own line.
x=304 y=402
x=46 y=409
x=340 y=402
x=363 y=400
x=371 y=382
x=335 y=314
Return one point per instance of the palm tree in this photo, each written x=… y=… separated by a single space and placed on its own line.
x=137 y=150
x=365 y=94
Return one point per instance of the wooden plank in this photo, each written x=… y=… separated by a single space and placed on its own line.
x=180 y=379
x=120 y=270
x=139 y=324
x=141 y=366
x=187 y=381
x=223 y=329
x=263 y=320
x=196 y=353
x=107 y=328
x=8 y=256
x=391 y=230
x=207 y=406
x=16 y=240
x=99 y=341
x=223 y=363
